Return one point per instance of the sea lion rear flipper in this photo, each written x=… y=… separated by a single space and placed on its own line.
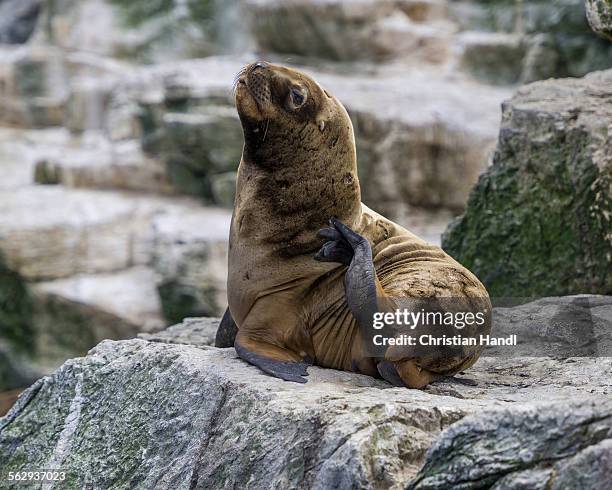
x=226 y=333
x=260 y=355
x=387 y=370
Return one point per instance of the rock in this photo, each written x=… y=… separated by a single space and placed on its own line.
x=16 y=368
x=15 y=309
x=565 y=326
x=190 y=122
x=178 y=416
x=599 y=14
x=32 y=87
x=197 y=147
x=50 y=232
x=16 y=159
x=198 y=332
x=190 y=259
x=492 y=57
x=139 y=30
x=92 y=161
x=424 y=10
x=476 y=451
x=570 y=49
x=17 y=20
x=421 y=141
x=353 y=30
x=74 y=314
x=542 y=59
x=16 y=334
x=538 y=221
x=87 y=105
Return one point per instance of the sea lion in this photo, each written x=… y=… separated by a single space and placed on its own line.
x=309 y=264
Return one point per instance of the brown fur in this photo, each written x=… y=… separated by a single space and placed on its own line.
x=298 y=170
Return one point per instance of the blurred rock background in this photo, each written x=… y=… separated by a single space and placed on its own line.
x=119 y=144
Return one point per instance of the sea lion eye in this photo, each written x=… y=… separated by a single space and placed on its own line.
x=297 y=98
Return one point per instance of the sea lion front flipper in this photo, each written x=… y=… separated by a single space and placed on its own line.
x=287 y=366
x=361 y=285
x=226 y=333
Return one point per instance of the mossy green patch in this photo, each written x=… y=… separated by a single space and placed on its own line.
x=537 y=222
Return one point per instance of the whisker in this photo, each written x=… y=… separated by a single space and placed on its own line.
x=266 y=131
x=237 y=79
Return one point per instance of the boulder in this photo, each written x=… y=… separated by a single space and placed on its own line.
x=563 y=446
x=538 y=221
x=557 y=34
x=198 y=147
x=171 y=412
x=421 y=139
x=16 y=332
x=33 y=87
x=198 y=332
x=16 y=161
x=564 y=326
x=190 y=261
x=50 y=232
x=93 y=161
x=352 y=30
x=72 y=315
x=599 y=14
x=493 y=57
x=424 y=10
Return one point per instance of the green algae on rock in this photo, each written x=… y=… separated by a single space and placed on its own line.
x=538 y=222
x=599 y=13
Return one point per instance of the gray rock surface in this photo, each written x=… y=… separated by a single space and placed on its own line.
x=538 y=221
x=169 y=414
x=599 y=13
x=17 y=20
x=190 y=261
x=352 y=30
x=33 y=91
x=492 y=56
x=139 y=29
x=571 y=48
x=50 y=232
x=75 y=313
x=564 y=326
x=197 y=332
x=553 y=447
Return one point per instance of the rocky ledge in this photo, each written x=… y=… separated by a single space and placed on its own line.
x=169 y=411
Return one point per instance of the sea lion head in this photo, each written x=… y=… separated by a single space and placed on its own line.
x=284 y=110
x=299 y=160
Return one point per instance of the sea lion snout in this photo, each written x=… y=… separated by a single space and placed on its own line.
x=257 y=80
x=253 y=90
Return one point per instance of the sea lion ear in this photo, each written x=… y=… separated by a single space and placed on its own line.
x=321 y=124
